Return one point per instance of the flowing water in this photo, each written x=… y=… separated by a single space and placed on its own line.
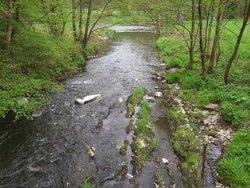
x=50 y=151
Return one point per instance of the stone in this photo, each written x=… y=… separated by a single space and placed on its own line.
x=212 y=106
x=156 y=87
x=129 y=176
x=165 y=161
x=158 y=94
x=159 y=78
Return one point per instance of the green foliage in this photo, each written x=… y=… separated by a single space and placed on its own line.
x=88 y=184
x=28 y=71
x=192 y=161
x=137 y=95
x=145 y=140
x=234 y=167
x=177 y=114
x=185 y=141
x=233 y=113
x=172 y=78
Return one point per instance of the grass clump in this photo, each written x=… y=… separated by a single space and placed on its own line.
x=135 y=99
x=145 y=141
x=124 y=147
x=87 y=183
x=235 y=166
x=176 y=113
x=185 y=141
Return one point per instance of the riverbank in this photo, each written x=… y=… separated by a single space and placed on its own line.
x=226 y=114
x=35 y=65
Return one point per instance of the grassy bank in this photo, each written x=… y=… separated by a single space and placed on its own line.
x=34 y=64
x=233 y=100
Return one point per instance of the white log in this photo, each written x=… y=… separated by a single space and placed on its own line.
x=88 y=98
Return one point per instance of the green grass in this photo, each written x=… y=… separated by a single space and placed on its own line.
x=233 y=99
x=235 y=166
x=145 y=141
x=135 y=99
x=132 y=19
x=177 y=114
x=87 y=184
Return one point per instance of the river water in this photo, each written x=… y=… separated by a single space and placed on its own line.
x=50 y=151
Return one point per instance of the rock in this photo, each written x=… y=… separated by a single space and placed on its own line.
x=129 y=176
x=88 y=99
x=22 y=101
x=159 y=78
x=156 y=87
x=163 y=81
x=162 y=64
x=165 y=161
x=211 y=106
x=158 y=94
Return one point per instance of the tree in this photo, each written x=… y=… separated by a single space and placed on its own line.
x=90 y=30
x=9 y=23
x=237 y=45
x=216 y=37
x=74 y=19
x=202 y=47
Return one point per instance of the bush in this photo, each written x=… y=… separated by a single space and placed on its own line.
x=29 y=70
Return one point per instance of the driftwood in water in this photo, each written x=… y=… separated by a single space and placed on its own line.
x=90 y=151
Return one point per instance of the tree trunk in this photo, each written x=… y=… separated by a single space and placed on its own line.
x=86 y=34
x=9 y=23
x=80 y=20
x=191 y=48
x=236 y=49
x=216 y=40
x=209 y=36
x=74 y=19
x=202 y=52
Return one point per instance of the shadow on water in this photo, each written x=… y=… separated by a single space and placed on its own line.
x=50 y=151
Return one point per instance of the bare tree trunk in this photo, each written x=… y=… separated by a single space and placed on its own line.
x=236 y=49
x=202 y=51
x=80 y=20
x=86 y=34
x=191 y=48
x=74 y=19
x=9 y=23
x=216 y=39
x=209 y=36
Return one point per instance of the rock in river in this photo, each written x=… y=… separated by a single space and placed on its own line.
x=158 y=94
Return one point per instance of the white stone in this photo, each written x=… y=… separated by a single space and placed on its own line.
x=165 y=161
x=158 y=94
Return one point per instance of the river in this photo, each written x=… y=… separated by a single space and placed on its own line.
x=50 y=151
